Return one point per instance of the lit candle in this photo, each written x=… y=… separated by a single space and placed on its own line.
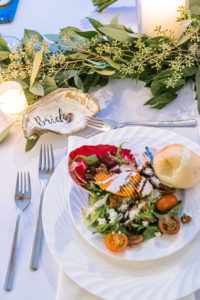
x=12 y=98
x=161 y=12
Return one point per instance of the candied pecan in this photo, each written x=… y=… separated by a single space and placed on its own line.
x=115 y=201
x=135 y=239
x=164 y=189
x=102 y=169
x=185 y=219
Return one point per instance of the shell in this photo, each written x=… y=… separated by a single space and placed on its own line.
x=62 y=111
x=132 y=188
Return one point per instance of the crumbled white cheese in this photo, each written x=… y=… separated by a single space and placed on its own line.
x=123 y=207
x=145 y=223
x=101 y=220
x=133 y=212
x=155 y=180
x=112 y=215
x=158 y=234
x=147 y=189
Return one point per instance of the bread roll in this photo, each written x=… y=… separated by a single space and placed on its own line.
x=177 y=166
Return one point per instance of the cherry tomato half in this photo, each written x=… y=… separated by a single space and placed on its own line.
x=166 y=203
x=116 y=242
x=169 y=224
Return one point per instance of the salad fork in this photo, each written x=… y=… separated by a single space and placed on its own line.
x=46 y=169
x=22 y=200
x=107 y=124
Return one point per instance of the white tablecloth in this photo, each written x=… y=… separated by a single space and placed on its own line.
x=47 y=17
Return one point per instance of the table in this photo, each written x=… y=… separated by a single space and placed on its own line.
x=48 y=17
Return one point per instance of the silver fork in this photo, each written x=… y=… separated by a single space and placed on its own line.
x=46 y=168
x=107 y=124
x=22 y=199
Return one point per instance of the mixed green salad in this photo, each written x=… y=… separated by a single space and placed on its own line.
x=151 y=211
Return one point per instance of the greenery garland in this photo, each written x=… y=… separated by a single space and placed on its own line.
x=86 y=59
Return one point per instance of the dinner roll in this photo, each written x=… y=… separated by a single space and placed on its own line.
x=177 y=166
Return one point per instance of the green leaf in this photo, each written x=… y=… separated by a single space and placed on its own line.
x=197 y=83
x=4 y=55
x=49 y=82
x=189 y=71
x=75 y=56
x=112 y=63
x=160 y=101
x=87 y=34
x=36 y=65
x=105 y=72
x=167 y=73
x=30 y=98
x=96 y=24
x=89 y=160
x=116 y=34
x=115 y=20
x=157 y=88
x=5 y=133
x=49 y=90
x=150 y=232
x=37 y=89
x=22 y=83
x=30 y=143
x=183 y=39
x=31 y=34
x=78 y=82
x=194 y=7
x=65 y=75
x=178 y=83
x=3 y=45
x=53 y=37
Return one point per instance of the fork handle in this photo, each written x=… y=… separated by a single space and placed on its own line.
x=179 y=123
x=35 y=256
x=8 y=284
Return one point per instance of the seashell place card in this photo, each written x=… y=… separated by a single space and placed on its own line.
x=62 y=111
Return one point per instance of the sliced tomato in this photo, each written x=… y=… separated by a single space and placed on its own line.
x=169 y=224
x=116 y=242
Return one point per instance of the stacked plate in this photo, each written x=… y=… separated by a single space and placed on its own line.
x=161 y=268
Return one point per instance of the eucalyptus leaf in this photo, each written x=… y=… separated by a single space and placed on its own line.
x=5 y=133
x=36 y=65
x=31 y=35
x=96 y=24
x=30 y=143
x=87 y=34
x=112 y=63
x=4 y=55
x=53 y=37
x=30 y=98
x=183 y=39
x=157 y=88
x=116 y=34
x=115 y=20
x=49 y=82
x=197 y=83
x=76 y=56
x=189 y=71
x=3 y=45
x=78 y=82
x=162 y=100
x=65 y=75
x=22 y=83
x=106 y=72
x=37 y=89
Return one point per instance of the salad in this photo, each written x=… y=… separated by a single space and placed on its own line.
x=127 y=202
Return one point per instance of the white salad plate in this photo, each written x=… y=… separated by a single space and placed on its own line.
x=137 y=139
x=166 y=278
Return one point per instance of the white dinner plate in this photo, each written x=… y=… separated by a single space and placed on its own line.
x=166 y=278
x=137 y=139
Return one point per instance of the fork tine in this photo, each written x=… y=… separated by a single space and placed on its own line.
x=29 y=184
x=52 y=158
x=17 y=184
x=44 y=155
x=98 y=121
x=95 y=118
x=24 y=183
x=21 y=190
x=94 y=124
x=48 y=158
x=40 y=161
x=95 y=127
